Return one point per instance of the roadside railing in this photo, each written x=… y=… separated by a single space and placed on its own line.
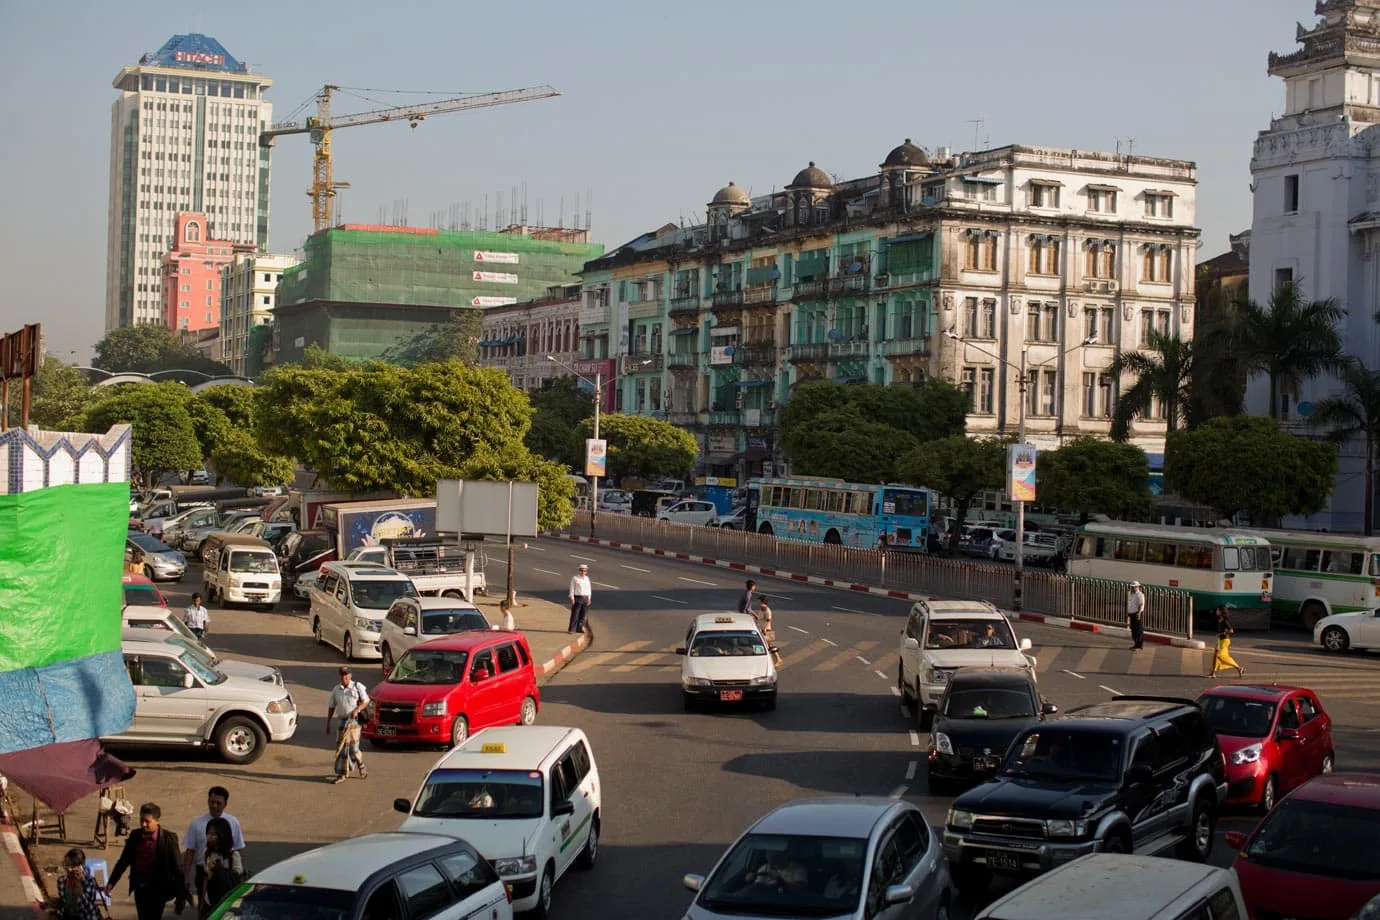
x=1093 y=600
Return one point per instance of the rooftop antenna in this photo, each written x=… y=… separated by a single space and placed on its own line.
x=979 y=131
x=589 y=206
x=561 y=222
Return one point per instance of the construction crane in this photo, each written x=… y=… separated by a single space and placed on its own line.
x=320 y=126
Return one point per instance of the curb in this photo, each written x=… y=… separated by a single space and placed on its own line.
x=1065 y=622
x=26 y=872
x=567 y=654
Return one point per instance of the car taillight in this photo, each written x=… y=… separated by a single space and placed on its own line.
x=508 y=892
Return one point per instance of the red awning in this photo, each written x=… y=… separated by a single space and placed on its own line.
x=60 y=774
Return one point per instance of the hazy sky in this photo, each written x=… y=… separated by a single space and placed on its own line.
x=664 y=103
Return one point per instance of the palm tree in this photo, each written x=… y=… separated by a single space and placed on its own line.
x=1163 y=371
x=1356 y=413
x=1292 y=339
x=1222 y=347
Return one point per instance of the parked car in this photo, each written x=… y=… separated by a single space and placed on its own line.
x=145 y=625
x=1040 y=547
x=1314 y=855
x=734 y=520
x=413 y=620
x=349 y=602
x=690 y=511
x=1342 y=631
x=851 y=857
x=158 y=560
x=199 y=478
x=1274 y=738
x=615 y=501
x=272 y=532
x=977 y=541
x=300 y=554
x=982 y=712
x=174 y=527
x=191 y=538
x=140 y=591
x=649 y=502
x=240 y=569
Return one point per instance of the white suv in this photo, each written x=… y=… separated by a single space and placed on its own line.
x=349 y=602
x=943 y=636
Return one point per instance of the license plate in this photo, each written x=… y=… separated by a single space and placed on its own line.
x=730 y=696
x=984 y=763
x=1003 y=862
x=385 y=731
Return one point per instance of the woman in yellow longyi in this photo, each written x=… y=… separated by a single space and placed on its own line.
x=1221 y=658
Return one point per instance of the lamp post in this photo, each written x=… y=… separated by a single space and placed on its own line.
x=1022 y=382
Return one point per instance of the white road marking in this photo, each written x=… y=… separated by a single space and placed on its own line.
x=862 y=659
x=610 y=587
x=578 y=556
x=849 y=610
x=546 y=571
x=636 y=569
x=778 y=597
x=831 y=642
x=1110 y=690
x=805 y=631
x=910 y=770
x=880 y=674
x=899 y=791
x=671 y=599
x=1074 y=674
x=896 y=691
x=540 y=549
x=914 y=738
x=712 y=584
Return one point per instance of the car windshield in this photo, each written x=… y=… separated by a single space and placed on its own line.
x=201 y=667
x=195 y=649
x=988 y=703
x=272 y=902
x=1238 y=717
x=429 y=666
x=380 y=595
x=149 y=544
x=259 y=563
x=779 y=875
x=311 y=544
x=176 y=625
x=445 y=622
x=1065 y=756
x=141 y=596
x=1319 y=838
x=953 y=634
x=727 y=644
x=485 y=794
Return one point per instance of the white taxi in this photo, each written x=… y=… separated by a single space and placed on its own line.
x=726 y=660
x=527 y=797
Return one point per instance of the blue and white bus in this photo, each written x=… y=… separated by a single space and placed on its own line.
x=834 y=511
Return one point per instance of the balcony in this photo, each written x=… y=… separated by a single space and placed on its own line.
x=840 y=350
x=759 y=418
x=898 y=347
x=635 y=359
x=848 y=285
x=810 y=290
x=689 y=360
x=816 y=351
x=725 y=419
x=728 y=299
x=687 y=305
x=763 y=296
x=644 y=309
x=683 y=418
x=756 y=354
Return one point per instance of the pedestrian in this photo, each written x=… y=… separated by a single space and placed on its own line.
x=1221 y=655
x=746 y=603
x=79 y=897
x=509 y=623
x=1135 y=615
x=580 y=596
x=350 y=699
x=194 y=841
x=224 y=866
x=764 y=619
x=197 y=617
x=155 y=873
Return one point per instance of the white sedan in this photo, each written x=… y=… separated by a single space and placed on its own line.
x=1342 y=631
x=615 y=501
x=690 y=511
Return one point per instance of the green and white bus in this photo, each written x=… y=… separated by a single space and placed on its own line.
x=1319 y=574
x=1218 y=567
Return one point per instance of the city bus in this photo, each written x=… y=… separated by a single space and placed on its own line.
x=1229 y=568
x=838 y=512
x=1319 y=574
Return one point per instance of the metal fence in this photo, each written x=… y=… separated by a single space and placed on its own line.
x=1168 y=610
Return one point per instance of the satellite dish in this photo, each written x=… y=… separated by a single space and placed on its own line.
x=833 y=335
x=729 y=350
x=1304 y=409
x=855 y=267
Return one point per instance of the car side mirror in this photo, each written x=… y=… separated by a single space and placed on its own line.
x=409 y=630
x=775 y=650
x=561 y=809
x=910 y=643
x=1287 y=734
x=692 y=882
x=402 y=805
x=1048 y=709
x=898 y=894
x=681 y=650
x=479 y=676
x=1236 y=839
x=188 y=681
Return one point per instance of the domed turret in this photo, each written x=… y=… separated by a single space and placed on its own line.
x=906 y=156
x=811 y=177
x=731 y=194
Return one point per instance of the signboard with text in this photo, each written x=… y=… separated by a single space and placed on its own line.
x=596 y=457
x=1020 y=472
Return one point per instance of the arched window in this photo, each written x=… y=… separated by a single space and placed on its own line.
x=193 y=232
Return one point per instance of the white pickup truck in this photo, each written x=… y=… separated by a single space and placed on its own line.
x=436 y=569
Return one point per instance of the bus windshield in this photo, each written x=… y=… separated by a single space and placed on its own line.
x=1246 y=558
x=905 y=501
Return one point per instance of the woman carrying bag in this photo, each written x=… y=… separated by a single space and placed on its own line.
x=1221 y=656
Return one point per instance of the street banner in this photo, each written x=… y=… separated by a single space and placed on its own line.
x=596 y=457
x=1020 y=472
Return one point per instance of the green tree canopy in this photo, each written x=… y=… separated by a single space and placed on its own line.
x=643 y=447
x=1247 y=464
x=164 y=438
x=958 y=467
x=1163 y=372
x=455 y=340
x=556 y=411
x=58 y=397
x=1089 y=475
x=843 y=445
x=223 y=418
x=1355 y=415
x=149 y=349
x=1293 y=339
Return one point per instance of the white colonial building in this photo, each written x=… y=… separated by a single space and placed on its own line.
x=1316 y=221
x=517 y=338
x=249 y=292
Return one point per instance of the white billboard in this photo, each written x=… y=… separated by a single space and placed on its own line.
x=474 y=506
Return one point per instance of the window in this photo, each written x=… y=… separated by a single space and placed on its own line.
x=1042 y=322
x=1044 y=195
x=1101 y=260
x=981 y=251
x=1159 y=204
x=1097 y=395
x=979 y=191
x=1101 y=199
x=161 y=672
x=1307 y=709
x=1044 y=255
x=1158 y=264
x=1291 y=194
x=1153 y=321
x=1283 y=276
x=1041 y=391
x=468 y=873
x=426 y=891
x=1300 y=559
x=980 y=384
x=1288 y=715
x=507 y=658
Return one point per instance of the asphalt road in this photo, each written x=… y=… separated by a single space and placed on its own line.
x=679 y=787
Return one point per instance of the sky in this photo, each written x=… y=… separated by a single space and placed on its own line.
x=663 y=103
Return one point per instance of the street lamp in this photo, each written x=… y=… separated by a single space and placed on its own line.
x=1021 y=383
x=598 y=384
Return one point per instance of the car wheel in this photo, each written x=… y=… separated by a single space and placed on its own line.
x=387 y=661
x=240 y=740
x=591 y=851
x=316 y=631
x=901 y=682
x=452 y=593
x=924 y=716
x=1335 y=639
x=347 y=648
x=148 y=573
x=1197 y=846
x=542 y=909
x=459 y=731
x=1267 y=795
x=971 y=880
x=689 y=702
x=770 y=704
x=1311 y=613
x=528 y=714
x=1115 y=842
x=942 y=911
x=1327 y=764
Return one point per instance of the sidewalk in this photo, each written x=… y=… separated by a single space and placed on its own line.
x=543 y=623
x=20 y=897
x=1065 y=622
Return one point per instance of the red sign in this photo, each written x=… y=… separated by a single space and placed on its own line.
x=199 y=57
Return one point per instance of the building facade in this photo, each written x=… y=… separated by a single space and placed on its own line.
x=1316 y=211
x=249 y=291
x=184 y=138
x=519 y=338
x=190 y=272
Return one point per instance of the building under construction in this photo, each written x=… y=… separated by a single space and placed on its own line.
x=363 y=289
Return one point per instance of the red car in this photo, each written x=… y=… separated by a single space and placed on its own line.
x=140 y=592
x=441 y=691
x=1273 y=739
x=1315 y=855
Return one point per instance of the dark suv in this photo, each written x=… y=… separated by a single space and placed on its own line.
x=1134 y=774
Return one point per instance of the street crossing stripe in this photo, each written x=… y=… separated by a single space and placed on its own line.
x=586 y=661
x=843 y=656
x=1142 y=662
x=644 y=660
x=790 y=658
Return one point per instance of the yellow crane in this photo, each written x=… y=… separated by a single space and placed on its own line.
x=320 y=126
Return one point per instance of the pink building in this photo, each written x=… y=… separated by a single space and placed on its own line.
x=192 y=273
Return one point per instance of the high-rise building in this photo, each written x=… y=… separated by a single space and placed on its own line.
x=249 y=292
x=184 y=137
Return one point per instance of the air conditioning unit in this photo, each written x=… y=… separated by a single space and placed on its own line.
x=883 y=280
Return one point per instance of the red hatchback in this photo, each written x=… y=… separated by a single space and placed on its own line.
x=140 y=592
x=442 y=690
x=1273 y=739
x=1315 y=855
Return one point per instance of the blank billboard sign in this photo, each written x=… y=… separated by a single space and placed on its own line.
x=475 y=506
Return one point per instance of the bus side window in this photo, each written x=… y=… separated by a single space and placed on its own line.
x=1300 y=559
x=1375 y=565
x=1129 y=550
x=835 y=501
x=1342 y=563
x=1101 y=548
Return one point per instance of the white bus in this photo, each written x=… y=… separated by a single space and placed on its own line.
x=1319 y=574
x=1218 y=567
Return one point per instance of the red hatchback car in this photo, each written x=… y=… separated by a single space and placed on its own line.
x=140 y=592
x=1273 y=739
x=1315 y=855
x=444 y=689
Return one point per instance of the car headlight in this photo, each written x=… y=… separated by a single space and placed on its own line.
x=434 y=709
x=960 y=819
x=936 y=676
x=763 y=680
x=1066 y=828
x=279 y=707
x=1248 y=754
x=697 y=682
x=942 y=743
x=515 y=865
x=362 y=623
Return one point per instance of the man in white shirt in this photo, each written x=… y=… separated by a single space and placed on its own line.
x=350 y=699
x=194 y=841
x=580 y=594
x=197 y=618
x=1135 y=615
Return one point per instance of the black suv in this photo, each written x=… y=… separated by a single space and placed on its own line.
x=1134 y=774
x=981 y=713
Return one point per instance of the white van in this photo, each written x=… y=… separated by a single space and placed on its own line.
x=527 y=797
x=240 y=569
x=349 y=602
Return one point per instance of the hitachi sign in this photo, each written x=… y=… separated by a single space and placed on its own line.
x=199 y=57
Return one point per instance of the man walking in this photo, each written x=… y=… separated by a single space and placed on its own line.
x=194 y=841
x=580 y=595
x=748 y=602
x=1135 y=616
x=155 y=873
x=350 y=700
x=197 y=617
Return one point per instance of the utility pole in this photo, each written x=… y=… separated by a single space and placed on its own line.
x=594 y=480
x=1019 y=590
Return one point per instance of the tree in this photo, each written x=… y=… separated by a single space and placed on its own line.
x=841 y=444
x=644 y=447
x=556 y=410
x=455 y=340
x=958 y=467
x=223 y=418
x=1222 y=350
x=58 y=397
x=1163 y=372
x=1293 y=339
x=164 y=439
x=1247 y=464
x=1089 y=475
x=149 y=349
x=1355 y=414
